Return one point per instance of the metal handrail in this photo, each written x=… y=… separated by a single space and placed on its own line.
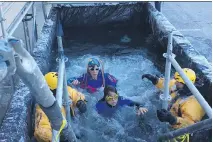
x=170 y=60
x=44 y=10
x=166 y=96
x=4 y=33
x=62 y=86
x=59 y=90
x=34 y=27
x=203 y=125
x=190 y=85
x=8 y=7
x=19 y=18
x=192 y=88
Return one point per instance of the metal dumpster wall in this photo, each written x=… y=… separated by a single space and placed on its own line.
x=119 y=15
x=17 y=123
x=186 y=55
x=147 y=19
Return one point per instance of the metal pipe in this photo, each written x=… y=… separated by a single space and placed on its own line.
x=4 y=33
x=70 y=133
x=66 y=99
x=44 y=10
x=167 y=73
x=88 y=3
x=84 y=3
x=61 y=70
x=28 y=37
x=13 y=27
x=28 y=70
x=59 y=90
x=60 y=46
x=34 y=34
x=202 y=125
x=8 y=7
x=25 y=35
x=12 y=83
x=192 y=88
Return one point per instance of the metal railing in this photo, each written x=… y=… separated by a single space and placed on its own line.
x=167 y=74
x=200 y=126
x=170 y=60
x=62 y=86
x=10 y=30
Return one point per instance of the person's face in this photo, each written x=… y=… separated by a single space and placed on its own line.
x=179 y=85
x=112 y=98
x=93 y=70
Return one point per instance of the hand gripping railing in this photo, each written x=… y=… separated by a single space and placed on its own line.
x=165 y=97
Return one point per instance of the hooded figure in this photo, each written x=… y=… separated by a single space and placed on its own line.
x=184 y=109
x=43 y=130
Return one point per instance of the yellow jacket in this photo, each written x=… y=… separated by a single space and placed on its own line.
x=43 y=130
x=75 y=96
x=187 y=110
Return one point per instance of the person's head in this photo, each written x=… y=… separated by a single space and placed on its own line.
x=111 y=95
x=93 y=67
x=179 y=80
x=52 y=81
x=81 y=105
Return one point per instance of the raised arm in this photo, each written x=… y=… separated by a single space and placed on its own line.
x=76 y=81
x=140 y=108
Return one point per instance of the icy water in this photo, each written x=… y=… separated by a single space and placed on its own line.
x=127 y=64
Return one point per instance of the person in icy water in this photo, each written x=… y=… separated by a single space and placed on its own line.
x=111 y=102
x=94 y=79
x=184 y=109
x=43 y=130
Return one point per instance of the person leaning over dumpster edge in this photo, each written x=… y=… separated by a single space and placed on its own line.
x=184 y=109
x=111 y=102
x=43 y=130
x=94 y=78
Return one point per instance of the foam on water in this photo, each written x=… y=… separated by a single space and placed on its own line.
x=127 y=65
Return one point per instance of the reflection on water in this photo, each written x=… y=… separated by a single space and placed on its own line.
x=127 y=65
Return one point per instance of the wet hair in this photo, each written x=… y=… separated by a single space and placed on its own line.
x=108 y=89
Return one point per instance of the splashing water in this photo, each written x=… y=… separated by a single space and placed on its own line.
x=127 y=65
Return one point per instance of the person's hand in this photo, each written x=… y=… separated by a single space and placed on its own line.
x=150 y=77
x=75 y=82
x=166 y=116
x=81 y=105
x=142 y=110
